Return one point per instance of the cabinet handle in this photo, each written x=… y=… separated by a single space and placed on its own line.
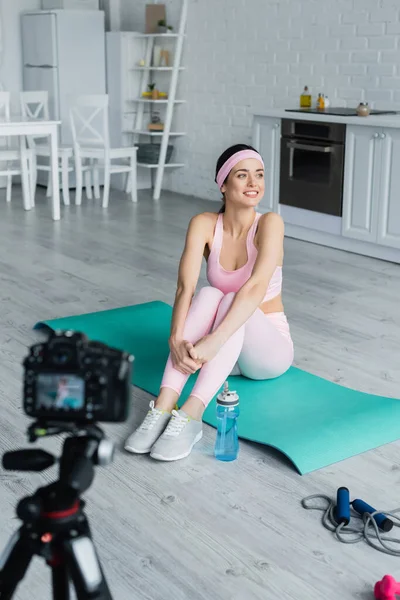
x=376 y=135
x=383 y=135
x=276 y=125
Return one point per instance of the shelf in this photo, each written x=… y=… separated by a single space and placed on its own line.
x=156 y=68
x=154 y=133
x=167 y=165
x=162 y=101
x=156 y=35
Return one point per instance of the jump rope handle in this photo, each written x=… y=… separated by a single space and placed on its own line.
x=381 y=520
x=342 y=511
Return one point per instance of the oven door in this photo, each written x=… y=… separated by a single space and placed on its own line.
x=312 y=175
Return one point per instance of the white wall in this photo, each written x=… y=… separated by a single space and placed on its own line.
x=247 y=55
x=11 y=64
x=133 y=14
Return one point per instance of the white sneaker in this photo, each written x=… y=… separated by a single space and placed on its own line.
x=143 y=438
x=178 y=439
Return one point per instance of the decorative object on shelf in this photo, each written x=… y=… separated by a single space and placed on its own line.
x=163 y=95
x=164 y=58
x=150 y=153
x=163 y=27
x=142 y=62
x=157 y=55
x=155 y=127
x=363 y=109
x=154 y=14
x=155 y=94
x=155 y=124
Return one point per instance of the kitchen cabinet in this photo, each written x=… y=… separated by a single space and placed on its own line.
x=361 y=184
x=389 y=206
x=266 y=140
x=371 y=193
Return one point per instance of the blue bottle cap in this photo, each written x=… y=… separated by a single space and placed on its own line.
x=227 y=397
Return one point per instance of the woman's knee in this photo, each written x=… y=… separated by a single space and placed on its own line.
x=227 y=300
x=209 y=294
x=270 y=368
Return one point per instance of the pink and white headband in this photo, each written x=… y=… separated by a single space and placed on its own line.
x=232 y=161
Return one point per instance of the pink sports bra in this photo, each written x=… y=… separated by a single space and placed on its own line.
x=232 y=281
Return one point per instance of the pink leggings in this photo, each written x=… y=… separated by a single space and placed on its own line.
x=262 y=347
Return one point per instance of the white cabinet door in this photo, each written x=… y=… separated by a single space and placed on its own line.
x=389 y=197
x=267 y=141
x=39 y=47
x=361 y=182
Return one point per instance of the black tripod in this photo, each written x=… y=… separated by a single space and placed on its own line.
x=54 y=523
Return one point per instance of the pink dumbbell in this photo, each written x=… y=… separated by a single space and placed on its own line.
x=387 y=588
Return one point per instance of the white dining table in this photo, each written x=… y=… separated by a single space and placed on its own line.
x=21 y=127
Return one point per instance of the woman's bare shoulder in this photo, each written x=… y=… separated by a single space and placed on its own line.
x=272 y=218
x=205 y=220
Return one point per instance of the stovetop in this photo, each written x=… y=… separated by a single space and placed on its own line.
x=340 y=111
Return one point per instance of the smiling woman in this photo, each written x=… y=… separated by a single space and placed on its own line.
x=237 y=321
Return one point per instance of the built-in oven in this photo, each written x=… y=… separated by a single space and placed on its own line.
x=312 y=165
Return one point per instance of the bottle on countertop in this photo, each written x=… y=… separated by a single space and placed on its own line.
x=227 y=442
x=363 y=109
x=321 y=102
x=305 y=98
x=326 y=102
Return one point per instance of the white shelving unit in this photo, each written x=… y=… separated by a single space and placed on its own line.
x=126 y=82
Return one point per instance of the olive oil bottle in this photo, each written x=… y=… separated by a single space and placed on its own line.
x=305 y=98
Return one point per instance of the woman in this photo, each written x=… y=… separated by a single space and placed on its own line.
x=238 y=320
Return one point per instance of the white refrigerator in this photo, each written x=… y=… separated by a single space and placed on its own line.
x=64 y=53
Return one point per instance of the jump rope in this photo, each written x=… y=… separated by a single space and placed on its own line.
x=336 y=518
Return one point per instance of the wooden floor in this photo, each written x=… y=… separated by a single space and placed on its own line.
x=200 y=529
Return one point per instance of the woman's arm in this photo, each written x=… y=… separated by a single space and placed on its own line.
x=189 y=272
x=251 y=294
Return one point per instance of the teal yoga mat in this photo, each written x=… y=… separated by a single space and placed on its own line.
x=314 y=422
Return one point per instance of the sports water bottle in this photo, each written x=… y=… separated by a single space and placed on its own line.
x=227 y=443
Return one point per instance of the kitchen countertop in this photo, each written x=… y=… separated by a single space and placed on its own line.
x=372 y=121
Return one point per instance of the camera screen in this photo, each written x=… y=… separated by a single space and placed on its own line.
x=60 y=392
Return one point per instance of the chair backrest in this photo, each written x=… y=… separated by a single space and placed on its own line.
x=5 y=105
x=89 y=121
x=35 y=105
x=5 y=102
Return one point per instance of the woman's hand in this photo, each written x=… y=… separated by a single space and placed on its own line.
x=181 y=358
x=205 y=349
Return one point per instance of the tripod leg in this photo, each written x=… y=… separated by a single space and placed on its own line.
x=60 y=580
x=14 y=562
x=85 y=569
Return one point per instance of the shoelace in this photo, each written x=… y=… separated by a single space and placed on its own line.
x=176 y=424
x=151 y=418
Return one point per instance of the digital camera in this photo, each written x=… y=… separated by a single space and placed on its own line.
x=69 y=378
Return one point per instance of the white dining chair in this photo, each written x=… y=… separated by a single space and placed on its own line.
x=12 y=155
x=91 y=139
x=35 y=105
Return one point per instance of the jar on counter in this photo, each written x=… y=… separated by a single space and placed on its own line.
x=363 y=110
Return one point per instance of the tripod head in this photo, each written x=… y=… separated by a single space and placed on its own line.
x=82 y=450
